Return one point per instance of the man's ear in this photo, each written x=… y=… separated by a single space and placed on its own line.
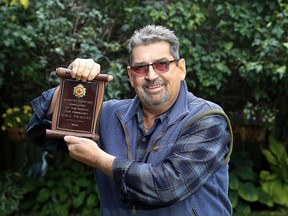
x=130 y=74
x=182 y=68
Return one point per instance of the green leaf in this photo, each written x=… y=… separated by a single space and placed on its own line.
x=79 y=200
x=24 y=3
x=75 y=189
x=234 y=198
x=233 y=182
x=265 y=198
x=281 y=70
x=246 y=173
x=248 y=192
x=243 y=208
x=278 y=31
x=228 y=45
x=285 y=44
x=82 y=182
x=43 y=195
x=92 y=201
x=67 y=183
x=63 y=195
x=279 y=194
x=278 y=149
x=267 y=176
x=266 y=186
x=222 y=67
x=269 y=157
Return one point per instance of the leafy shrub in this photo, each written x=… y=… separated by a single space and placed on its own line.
x=68 y=188
x=11 y=191
x=274 y=181
x=244 y=187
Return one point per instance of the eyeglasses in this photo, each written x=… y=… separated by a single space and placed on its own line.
x=159 y=67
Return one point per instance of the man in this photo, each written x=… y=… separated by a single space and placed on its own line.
x=162 y=153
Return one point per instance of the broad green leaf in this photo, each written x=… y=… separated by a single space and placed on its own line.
x=43 y=195
x=269 y=156
x=82 y=182
x=67 y=183
x=228 y=45
x=248 y=192
x=75 y=189
x=266 y=199
x=92 y=200
x=285 y=44
x=278 y=31
x=234 y=198
x=269 y=24
x=246 y=173
x=243 y=208
x=222 y=67
x=267 y=176
x=63 y=195
x=79 y=200
x=281 y=71
x=269 y=187
x=278 y=149
x=279 y=194
x=24 y=3
x=233 y=182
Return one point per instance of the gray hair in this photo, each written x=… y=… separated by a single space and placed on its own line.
x=152 y=33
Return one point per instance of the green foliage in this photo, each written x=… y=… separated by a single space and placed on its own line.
x=11 y=191
x=46 y=35
x=120 y=84
x=244 y=188
x=234 y=52
x=67 y=189
x=275 y=180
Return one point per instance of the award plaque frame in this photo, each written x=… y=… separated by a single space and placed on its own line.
x=78 y=106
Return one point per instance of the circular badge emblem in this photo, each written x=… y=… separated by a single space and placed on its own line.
x=79 y=91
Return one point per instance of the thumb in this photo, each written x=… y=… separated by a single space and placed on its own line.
x=110 y=78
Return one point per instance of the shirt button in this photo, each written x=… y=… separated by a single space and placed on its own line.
x=144 y=139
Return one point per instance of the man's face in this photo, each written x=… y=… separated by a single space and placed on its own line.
x=156 y=90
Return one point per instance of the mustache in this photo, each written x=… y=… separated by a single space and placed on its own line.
x=153 y=82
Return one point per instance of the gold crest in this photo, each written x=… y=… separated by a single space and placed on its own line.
x=79 y=91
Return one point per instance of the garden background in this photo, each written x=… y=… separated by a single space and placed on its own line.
x=236 y=54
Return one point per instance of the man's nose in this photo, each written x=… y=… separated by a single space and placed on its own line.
x=151 y=73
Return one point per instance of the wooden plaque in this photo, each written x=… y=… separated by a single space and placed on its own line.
x=78 y=106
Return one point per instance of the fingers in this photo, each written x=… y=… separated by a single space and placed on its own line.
x=84 y=69
x=73 y=139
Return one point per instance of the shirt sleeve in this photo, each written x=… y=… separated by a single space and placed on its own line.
x=36 y=128
x=196 y=155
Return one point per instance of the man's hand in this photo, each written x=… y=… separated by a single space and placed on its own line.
x=84 y=69
x=88 y=152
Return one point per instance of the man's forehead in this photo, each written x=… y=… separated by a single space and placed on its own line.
x=153 y=51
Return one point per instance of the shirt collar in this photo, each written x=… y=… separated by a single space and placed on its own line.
x=179 y=107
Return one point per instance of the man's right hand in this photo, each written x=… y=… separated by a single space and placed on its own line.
x=84 y=69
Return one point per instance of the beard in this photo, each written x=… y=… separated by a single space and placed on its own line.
x=155 y=99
